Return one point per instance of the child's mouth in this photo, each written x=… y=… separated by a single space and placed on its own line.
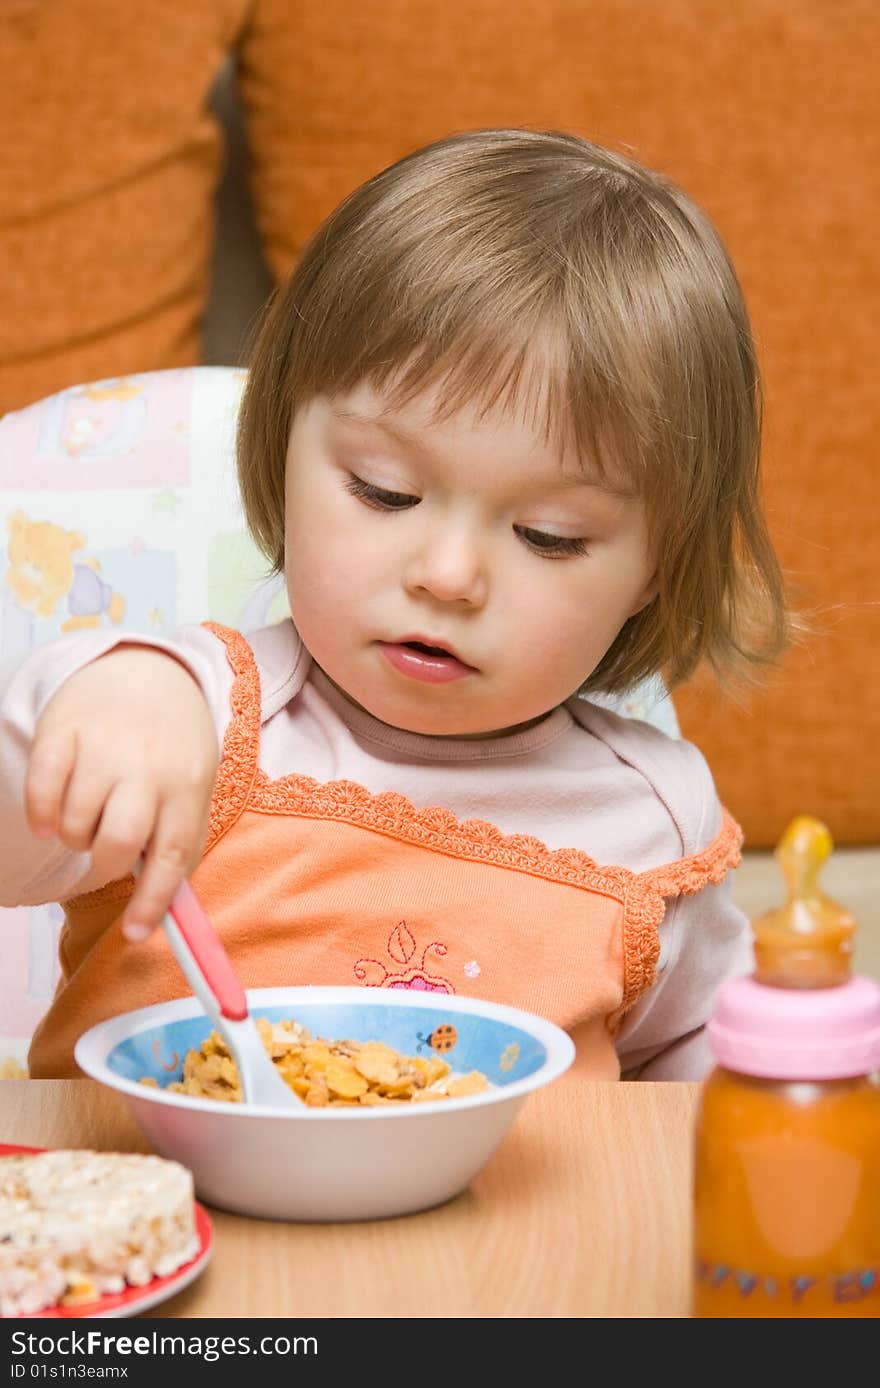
x=428 y=650
x=421 y=661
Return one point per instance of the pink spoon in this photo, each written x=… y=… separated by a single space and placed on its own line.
x=199 y=951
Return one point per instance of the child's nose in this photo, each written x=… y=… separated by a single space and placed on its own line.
x=450 y=566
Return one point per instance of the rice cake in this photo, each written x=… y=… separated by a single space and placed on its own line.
x=76 y=1225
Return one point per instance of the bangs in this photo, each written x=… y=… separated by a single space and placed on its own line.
x=533 y=383
x=533 y=373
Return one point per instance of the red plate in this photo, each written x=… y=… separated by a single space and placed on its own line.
x=134 y=1299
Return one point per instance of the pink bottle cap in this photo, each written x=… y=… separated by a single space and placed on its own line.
x=797 y=1034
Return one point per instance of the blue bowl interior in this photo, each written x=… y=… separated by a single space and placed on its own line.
x=503 y=1053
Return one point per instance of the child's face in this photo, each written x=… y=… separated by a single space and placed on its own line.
x=471 y=535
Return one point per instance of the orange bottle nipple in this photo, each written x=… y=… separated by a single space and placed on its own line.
x=808 y=942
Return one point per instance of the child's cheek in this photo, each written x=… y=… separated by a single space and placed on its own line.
x=568 y=630
x=322 y=572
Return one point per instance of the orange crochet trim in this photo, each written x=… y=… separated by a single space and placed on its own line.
x=643 y=911
x=241 y=742
x=641 y=944
x=435 y=828
x=711 y=864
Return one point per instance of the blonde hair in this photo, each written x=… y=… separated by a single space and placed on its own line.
x=534 y=270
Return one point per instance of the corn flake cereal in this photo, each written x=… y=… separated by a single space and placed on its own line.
x=326 y=1074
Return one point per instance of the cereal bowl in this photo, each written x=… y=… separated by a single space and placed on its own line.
x=332 y=1163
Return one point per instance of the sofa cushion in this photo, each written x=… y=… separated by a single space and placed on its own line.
x=109 y=165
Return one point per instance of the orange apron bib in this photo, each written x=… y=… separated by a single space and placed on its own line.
x=327 y=883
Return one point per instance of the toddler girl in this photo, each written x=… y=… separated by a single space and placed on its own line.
x=501 y=436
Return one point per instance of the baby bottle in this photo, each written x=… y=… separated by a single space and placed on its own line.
x=787 y=1176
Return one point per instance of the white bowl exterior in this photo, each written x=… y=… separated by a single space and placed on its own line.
x=312 y=1171
x=325 y=1164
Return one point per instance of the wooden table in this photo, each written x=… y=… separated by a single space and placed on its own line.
x=584 y=1211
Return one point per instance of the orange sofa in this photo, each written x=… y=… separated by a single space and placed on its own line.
x=765 y=111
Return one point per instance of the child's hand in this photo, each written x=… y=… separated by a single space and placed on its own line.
x=123 y=763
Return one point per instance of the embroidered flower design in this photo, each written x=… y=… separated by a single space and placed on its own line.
x=509 y=1056
x=401 y=949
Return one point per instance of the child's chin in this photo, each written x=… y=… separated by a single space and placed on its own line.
x=430 y=722
x=435 y=723
x=435 y=727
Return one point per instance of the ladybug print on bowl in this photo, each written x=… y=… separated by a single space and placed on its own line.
x=442 y=1038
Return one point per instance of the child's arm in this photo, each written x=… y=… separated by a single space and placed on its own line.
x=105 y=754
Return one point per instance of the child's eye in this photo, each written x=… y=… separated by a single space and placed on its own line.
x=552 y=546
x=378 y=497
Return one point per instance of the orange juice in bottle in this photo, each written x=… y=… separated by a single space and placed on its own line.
x=787 y=1174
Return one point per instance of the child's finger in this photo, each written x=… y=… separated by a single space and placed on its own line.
x=50 y=766
x=174 y=848
x=84 y=798
x=124 y=830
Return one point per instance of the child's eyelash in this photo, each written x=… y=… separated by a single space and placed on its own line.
x=550 y=546
x=378 y=497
